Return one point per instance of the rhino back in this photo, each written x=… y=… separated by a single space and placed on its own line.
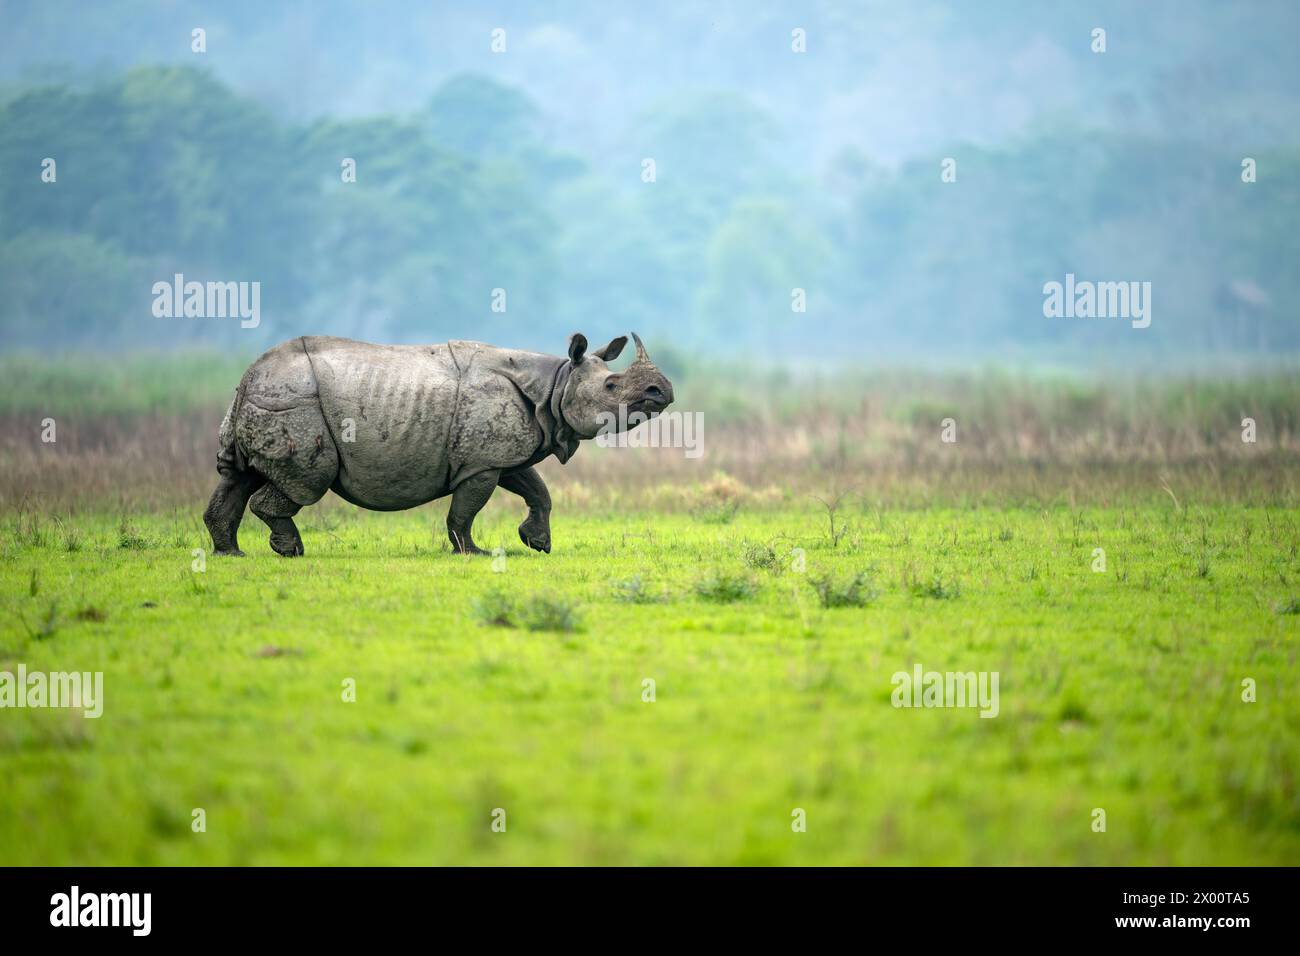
x=398 y=404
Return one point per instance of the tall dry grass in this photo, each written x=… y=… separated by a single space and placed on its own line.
x=767 y=437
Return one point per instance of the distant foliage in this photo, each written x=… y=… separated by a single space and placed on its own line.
x=165 y=169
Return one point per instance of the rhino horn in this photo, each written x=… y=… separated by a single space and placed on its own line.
x=641 y=355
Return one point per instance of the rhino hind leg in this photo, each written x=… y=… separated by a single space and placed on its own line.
x=536 y=528
x=226 y=509
x=277 y=509
x=466 y=502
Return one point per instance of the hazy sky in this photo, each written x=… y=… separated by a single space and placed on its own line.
x=893 y=79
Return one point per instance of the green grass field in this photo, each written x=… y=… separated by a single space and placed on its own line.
x=223 y=689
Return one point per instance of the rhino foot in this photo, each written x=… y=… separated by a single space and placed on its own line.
x=536 y=535
x=226 y=508
x=228 y=553
x=467 y=547
x=277 y=509
x=286 y=545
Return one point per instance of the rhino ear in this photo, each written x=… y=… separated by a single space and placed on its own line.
x=612 y=350
x=577 y=347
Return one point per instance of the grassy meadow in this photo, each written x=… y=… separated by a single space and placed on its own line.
x=769 y=591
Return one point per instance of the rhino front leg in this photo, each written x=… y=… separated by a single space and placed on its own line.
x=466 y=502
x=277 y=509
x=536 y=529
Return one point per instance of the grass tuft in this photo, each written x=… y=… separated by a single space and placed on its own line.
x=495 y=608
x=723 y=588
x=761 y=557
x=542 y=611
x=129 y=537
x=634 y=590
x=938 y=588
x=550 y=612
x=855 y=591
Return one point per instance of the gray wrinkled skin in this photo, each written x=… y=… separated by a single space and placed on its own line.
x=389 y=427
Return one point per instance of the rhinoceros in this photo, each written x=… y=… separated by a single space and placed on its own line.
x=389 y=427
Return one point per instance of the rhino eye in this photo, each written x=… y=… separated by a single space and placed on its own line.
x=610 y=384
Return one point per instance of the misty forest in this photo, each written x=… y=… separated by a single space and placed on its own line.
x=685 y=185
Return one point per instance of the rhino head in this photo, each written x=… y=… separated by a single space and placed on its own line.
x=594 y=394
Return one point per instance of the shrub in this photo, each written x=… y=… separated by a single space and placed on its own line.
x=634 y=591
x=539 y=612
x=857 y=591
x=937 y=588
x=130 y=538
x=761 y=557
x=495 y=608
x=550 y=612
x=723 y=588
